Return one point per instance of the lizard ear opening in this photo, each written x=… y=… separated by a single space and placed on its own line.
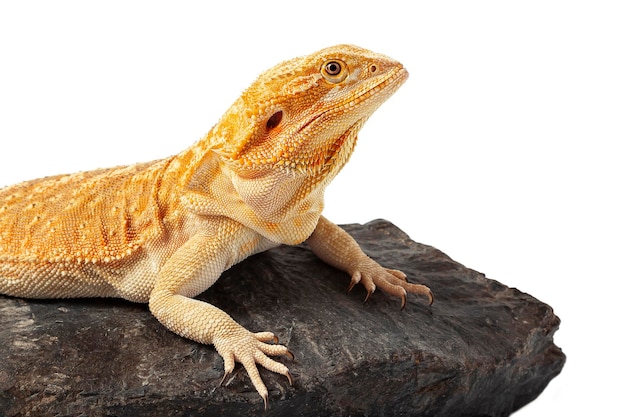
x=274 y=120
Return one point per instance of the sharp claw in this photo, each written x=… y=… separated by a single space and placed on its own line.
x=291 y=355
x=431 y=297
x=275 y=340
x=265 y=401
x=356 y=278
x=403 y=297
x=367 y=297
x=223 y=379
x=289 y=378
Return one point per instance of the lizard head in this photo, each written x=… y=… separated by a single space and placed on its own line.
x=302 y=116
x=296 y=126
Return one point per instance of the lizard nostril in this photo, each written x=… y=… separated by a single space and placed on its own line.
x=274 y=120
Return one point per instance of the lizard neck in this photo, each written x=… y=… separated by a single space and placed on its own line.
x=281 y=206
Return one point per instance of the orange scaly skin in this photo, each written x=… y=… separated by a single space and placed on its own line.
x=162 y=232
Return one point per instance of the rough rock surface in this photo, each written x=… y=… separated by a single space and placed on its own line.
x=482 y=349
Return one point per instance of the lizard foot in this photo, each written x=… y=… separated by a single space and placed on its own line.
x=391 y=281
x=251 y=349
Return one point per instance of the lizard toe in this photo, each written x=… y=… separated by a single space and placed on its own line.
x=266 y=337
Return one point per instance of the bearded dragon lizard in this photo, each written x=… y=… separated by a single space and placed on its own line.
x=162 y=232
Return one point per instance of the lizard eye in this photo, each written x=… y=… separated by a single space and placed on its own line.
x=335 y=71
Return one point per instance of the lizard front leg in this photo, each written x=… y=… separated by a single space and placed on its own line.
x=193 y=268
x=336 y=247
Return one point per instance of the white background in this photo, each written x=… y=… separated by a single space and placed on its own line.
x=502 y=149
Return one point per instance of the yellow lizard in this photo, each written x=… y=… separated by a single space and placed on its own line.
x=162 y=232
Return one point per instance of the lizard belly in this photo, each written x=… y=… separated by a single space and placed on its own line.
x=132 y=281
x=131 y=278
x=51 y=280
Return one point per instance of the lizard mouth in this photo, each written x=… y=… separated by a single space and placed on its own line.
x=387 y=86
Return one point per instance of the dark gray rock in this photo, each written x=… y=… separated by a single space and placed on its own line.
x=482 y=349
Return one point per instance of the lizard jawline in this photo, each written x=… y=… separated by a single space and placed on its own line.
x=322 y=161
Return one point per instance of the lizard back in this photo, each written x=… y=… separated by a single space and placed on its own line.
x=92 y=216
